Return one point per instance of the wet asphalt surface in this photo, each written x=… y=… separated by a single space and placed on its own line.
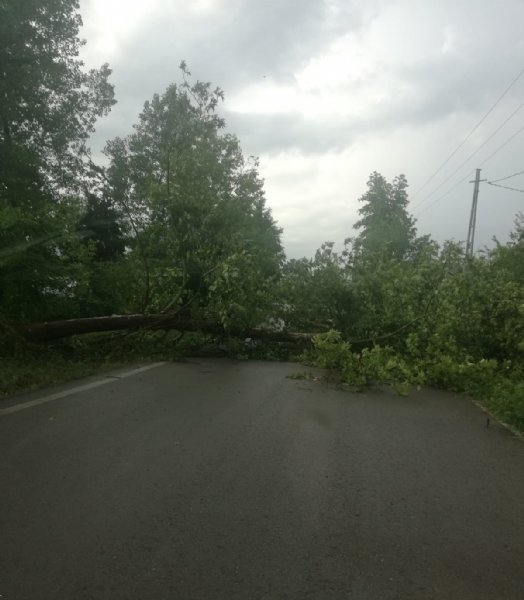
x=214 y=479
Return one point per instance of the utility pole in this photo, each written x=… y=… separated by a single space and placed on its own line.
x=473 y=215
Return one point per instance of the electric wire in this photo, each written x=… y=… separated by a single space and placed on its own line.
x=503 y=145
x=504 y=93
x=505 y=187
x=470 y=156
x=470 y=174
x=508 y=177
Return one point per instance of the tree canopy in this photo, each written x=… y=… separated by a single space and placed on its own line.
x=195 y=205
x=48 y=102
x=386 y=228
x=48 y=107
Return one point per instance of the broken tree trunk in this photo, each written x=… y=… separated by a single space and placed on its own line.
x=51 y=330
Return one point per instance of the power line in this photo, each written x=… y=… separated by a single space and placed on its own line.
x=502 y=146
x=505 y=187
x=508 y=177
x=446 y=193
x=471 y=155
x=469 y=134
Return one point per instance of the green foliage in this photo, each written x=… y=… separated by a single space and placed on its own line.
x=29 y=366
x=420 y=315
x=49 y=103
x=240 y=293
x=510 y=257
x=505 y=398
x=48 y=109
x=498 y=386
x=42 y=261
x=100 y=225
x=317 y=294
x=387 y=230
x=371 y=366
x=206 y=241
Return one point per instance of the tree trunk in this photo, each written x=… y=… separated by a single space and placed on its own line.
x=42 y=332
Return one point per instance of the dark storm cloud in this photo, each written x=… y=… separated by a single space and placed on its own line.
x=450 y=84
x=242 y=41
x=420 y=75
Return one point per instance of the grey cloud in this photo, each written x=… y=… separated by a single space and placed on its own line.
x=248 y=39
x=243 y=41
x=240 y=44
x=418 y=95
x=456 y=86
x=464 y=82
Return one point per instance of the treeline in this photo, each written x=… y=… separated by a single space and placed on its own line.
x=175 y=223
x=176 y=220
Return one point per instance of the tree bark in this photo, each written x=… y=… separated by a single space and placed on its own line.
x=51 y=330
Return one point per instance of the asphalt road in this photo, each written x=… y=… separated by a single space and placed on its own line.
x=214 y=479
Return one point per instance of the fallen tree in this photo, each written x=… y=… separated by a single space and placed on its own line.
x=52 y=330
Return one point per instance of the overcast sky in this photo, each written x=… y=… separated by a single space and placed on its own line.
x=327 y=91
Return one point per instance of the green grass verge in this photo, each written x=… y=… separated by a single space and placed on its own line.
x=29 y=367
x=25 y=367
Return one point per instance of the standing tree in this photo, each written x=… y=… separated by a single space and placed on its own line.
x=382 y=261
x=48 y=107
x=206 y=240
x=48 y=102
x=387 y=230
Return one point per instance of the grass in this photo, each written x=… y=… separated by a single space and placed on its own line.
x=27 y=367
x=32 y=373
x=505 y=401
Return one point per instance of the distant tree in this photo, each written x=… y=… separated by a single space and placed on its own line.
x=386 y=228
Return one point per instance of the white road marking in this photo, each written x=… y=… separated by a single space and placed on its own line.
x=76 y=390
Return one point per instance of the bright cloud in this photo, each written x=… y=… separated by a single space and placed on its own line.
x=108 y=24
